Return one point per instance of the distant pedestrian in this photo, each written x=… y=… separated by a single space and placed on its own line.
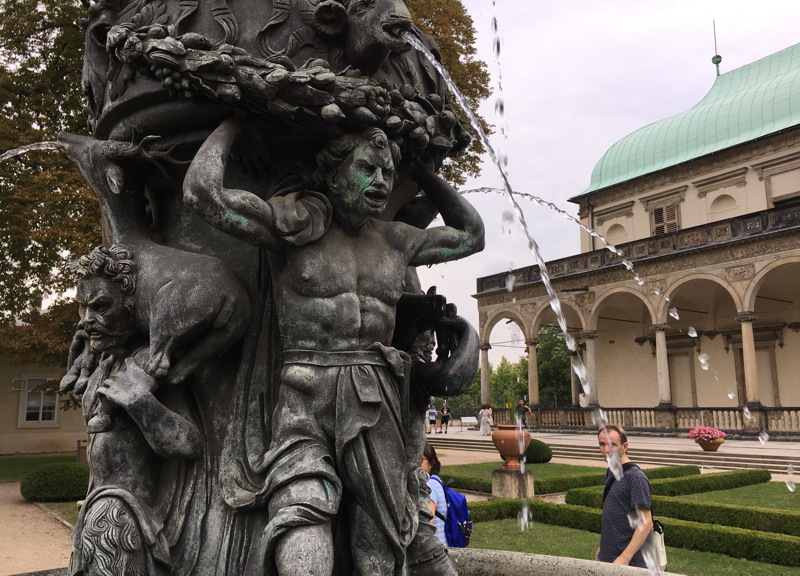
x=627 y=519
x=485 y=420
x=431 y=418
x=521 y=412
x=445 y=416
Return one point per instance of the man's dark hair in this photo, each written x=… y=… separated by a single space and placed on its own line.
x=338 y=149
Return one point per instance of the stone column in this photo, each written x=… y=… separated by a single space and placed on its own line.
x=485 y=373
x=576 y=387
x=589 y=359
x=662 y=366
x=533 y=372
x=749 y=357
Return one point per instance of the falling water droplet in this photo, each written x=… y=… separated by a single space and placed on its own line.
x=666 y=297
x=731 y=394
x=703 y=358
x=746 y=413
x=615 y=465
x=499 y=107
x=674 y=313
x=639 y=281
x=599 y=417
x=634 y=519
x=692 y=332
x=790 y=485
x=497 y=47
x=524 y=517
x=510 y=281
x=763 y=437
x=657 y=292
x=790 y=480
x=514 y=300
x=508 y=216
x=494 y=25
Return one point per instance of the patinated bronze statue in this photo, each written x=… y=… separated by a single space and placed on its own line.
x=266 y=173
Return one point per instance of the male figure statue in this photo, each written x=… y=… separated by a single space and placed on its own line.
x=338 y=449
x=120 y=527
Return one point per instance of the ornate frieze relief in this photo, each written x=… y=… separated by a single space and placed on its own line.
x=740 y=272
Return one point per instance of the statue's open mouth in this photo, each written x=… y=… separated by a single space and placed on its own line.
x=393 y=32
x=377 y=195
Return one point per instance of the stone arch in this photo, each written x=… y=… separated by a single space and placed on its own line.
x=758 y=281
x=662 y=312
x=505 y=313
x=636 y=293
x=544 y=314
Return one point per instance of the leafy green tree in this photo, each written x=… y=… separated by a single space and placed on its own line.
x=553 y=366
x=47 y=212
x=448 y=22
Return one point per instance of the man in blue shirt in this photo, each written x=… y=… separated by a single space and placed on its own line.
x=627 y=519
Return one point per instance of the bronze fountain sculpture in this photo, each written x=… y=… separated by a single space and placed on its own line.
x=251 y=354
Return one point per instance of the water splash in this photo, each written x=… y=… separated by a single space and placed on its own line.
x=46 y=145
x=524 y=517
x=731 y=394
x=790 y=484
x=703 y=358
x=533 y=246
x=763 y=437
x=746 y=413
x=692 y=332
x=674 y=313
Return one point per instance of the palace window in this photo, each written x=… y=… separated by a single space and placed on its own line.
x=664 y=219
x=38 y=404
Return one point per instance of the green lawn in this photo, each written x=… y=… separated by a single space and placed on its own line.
x=66 y=510
x=767 y=495
x=568 y=542
x=484 y=470
x=15 y=467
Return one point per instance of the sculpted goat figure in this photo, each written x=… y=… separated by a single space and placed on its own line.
x=191 y=305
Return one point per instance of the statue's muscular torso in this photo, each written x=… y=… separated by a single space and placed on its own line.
x=340 y=292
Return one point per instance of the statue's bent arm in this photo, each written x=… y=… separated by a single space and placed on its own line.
x=463 y=233
x=169 y=434
x=239 y=213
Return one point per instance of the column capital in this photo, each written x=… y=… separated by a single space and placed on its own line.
x=659 y=327
x=589 y=334
x=532 y=342
x=486 y=347
x=746 y=316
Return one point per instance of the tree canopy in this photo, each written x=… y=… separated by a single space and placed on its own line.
x=48 y=213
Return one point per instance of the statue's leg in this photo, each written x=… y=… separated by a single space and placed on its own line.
x=372 y=553
x=302 y=549
x=112 y=544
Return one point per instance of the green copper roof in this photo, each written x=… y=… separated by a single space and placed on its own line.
x=744 y=104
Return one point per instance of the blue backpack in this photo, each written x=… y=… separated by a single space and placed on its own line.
x=457 y=524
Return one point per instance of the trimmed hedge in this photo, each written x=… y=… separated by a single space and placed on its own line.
x=564 y=483
x=593 y=496
x=736 y=542
x=538 y=452
x=58 y=482
x=750 y=517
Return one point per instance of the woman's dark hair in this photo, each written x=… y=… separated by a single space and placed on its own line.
x=484 y=406
x=430 y=455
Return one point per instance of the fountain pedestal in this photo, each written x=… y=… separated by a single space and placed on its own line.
x=512 y=484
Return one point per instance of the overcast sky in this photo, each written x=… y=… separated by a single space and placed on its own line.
x=578 y=76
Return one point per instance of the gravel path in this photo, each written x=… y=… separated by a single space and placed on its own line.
x=30 y=538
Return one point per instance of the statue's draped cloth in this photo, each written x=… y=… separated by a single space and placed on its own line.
x=339 y=425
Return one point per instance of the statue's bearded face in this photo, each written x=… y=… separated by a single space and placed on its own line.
x=365 y=179
x=104 y=316
x=374 y=29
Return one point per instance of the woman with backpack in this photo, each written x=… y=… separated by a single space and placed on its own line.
x=438 y=502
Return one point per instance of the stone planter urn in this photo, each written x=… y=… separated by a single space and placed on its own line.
x=710 y=445
x=511 y=441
